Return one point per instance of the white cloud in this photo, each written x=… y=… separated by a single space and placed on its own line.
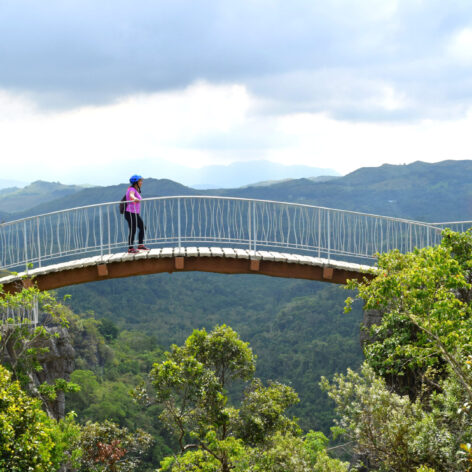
x=391 y=100
x=460 y=46
x=346 y=146
x=14 y=107
x=137 y=128
x=208 y=124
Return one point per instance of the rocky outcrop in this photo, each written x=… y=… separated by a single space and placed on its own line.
x=58 y=362
x=39 y=358
x=371 y=317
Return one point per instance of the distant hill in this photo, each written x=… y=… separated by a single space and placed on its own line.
x=266 y=183
x=113 y=193
x=4 y=216
x=238 y=174
x=16 y=200
x=428 y=192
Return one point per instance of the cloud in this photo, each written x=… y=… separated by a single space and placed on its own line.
x=363 y=60
x=156 y=134
x=346 y=146
x=96 y=143
x=340 y=92
x=460 y=46
x=93 y=91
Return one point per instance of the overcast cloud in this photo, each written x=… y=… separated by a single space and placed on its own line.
x=395 y=64
x=402 y=59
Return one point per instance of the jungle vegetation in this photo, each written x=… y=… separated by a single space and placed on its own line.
x=199 y=405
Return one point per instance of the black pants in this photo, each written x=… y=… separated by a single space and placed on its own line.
x=134 y=221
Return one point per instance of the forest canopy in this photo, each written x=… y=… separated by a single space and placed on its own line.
x=203 y=408
x=408 y=408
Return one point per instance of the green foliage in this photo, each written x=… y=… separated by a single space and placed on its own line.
x=219 y=454
x=425 y=337
x=223 y=352
x=190 y=382
x=315 y=443
x=60 y=385
x=296 y=327
x=424 y=297
x=105 y=389
x=262 y=412
x=108 y=329
x=65 y=436
x=31 y=441
x=114 y=370
x=393 y=433
x=114 y=366
x=285 y=453
x=190 y=385
x=382 y=424
x=25 y=347
x=25 y=430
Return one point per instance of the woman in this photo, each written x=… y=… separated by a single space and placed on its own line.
x=133 y=208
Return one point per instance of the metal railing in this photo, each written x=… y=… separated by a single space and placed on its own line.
x=20 y=314
x=458 y=226
x=211 y=221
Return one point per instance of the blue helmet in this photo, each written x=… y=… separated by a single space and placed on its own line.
x=134 y=179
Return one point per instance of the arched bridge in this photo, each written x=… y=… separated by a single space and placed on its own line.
x=215 y=234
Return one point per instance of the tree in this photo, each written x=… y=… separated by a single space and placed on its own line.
x=409 y=407
x=25 y=347
x=426 y=301
x=107 y=447
x=26 y=433
x=191 y=385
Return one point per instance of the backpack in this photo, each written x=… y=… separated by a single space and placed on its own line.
x=123 y=205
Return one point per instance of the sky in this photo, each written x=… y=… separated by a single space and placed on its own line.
x=92 y=91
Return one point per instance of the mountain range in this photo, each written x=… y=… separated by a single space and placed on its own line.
x=422 y=191
x=236 y=174
x=15 y=199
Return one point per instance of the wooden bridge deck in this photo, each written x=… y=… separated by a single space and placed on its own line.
x=206 y=259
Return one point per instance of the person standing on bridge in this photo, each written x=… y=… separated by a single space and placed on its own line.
x=132 y=214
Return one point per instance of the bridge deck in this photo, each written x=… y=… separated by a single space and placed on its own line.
x=174 y=259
